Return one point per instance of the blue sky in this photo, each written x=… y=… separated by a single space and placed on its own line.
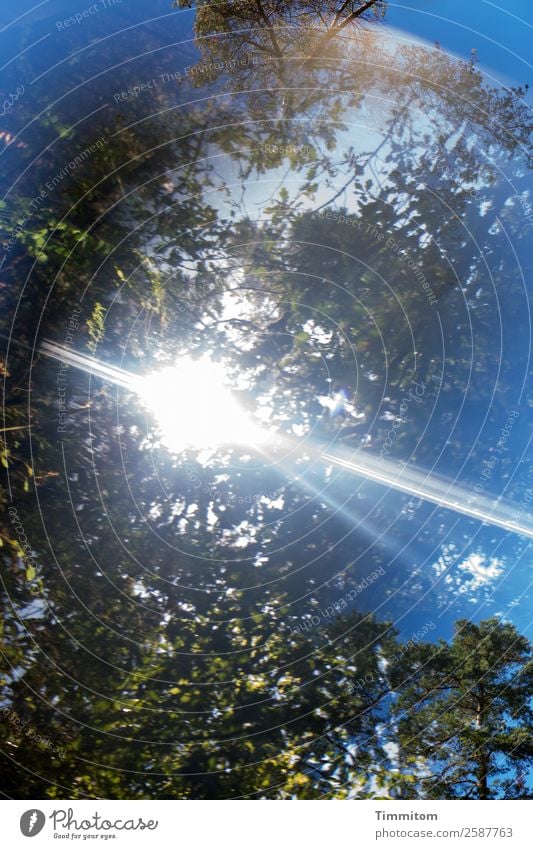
x=501 y=33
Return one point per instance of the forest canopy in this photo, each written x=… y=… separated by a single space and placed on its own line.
x=325 y=213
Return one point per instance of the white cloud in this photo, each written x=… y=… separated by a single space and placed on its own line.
x=466 y=575
x=481 y=570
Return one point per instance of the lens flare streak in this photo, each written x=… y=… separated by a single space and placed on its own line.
x=92 y=366
x=436 y=490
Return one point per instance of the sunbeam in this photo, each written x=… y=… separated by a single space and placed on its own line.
x=194 y=407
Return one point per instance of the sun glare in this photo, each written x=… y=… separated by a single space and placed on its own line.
x=195 y=408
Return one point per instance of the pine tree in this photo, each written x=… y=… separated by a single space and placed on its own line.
x=464 y=714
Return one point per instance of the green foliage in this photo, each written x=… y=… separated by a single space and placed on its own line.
x=95 y=326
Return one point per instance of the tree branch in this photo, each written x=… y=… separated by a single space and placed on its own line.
x=322 y=42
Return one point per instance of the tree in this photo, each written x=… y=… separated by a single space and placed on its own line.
x=464 y=713
x=278 y=31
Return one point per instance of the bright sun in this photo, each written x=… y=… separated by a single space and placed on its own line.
x=195 y=408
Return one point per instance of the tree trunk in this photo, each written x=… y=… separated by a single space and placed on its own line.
x=483 y=776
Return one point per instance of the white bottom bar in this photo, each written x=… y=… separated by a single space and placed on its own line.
x=262 y=825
